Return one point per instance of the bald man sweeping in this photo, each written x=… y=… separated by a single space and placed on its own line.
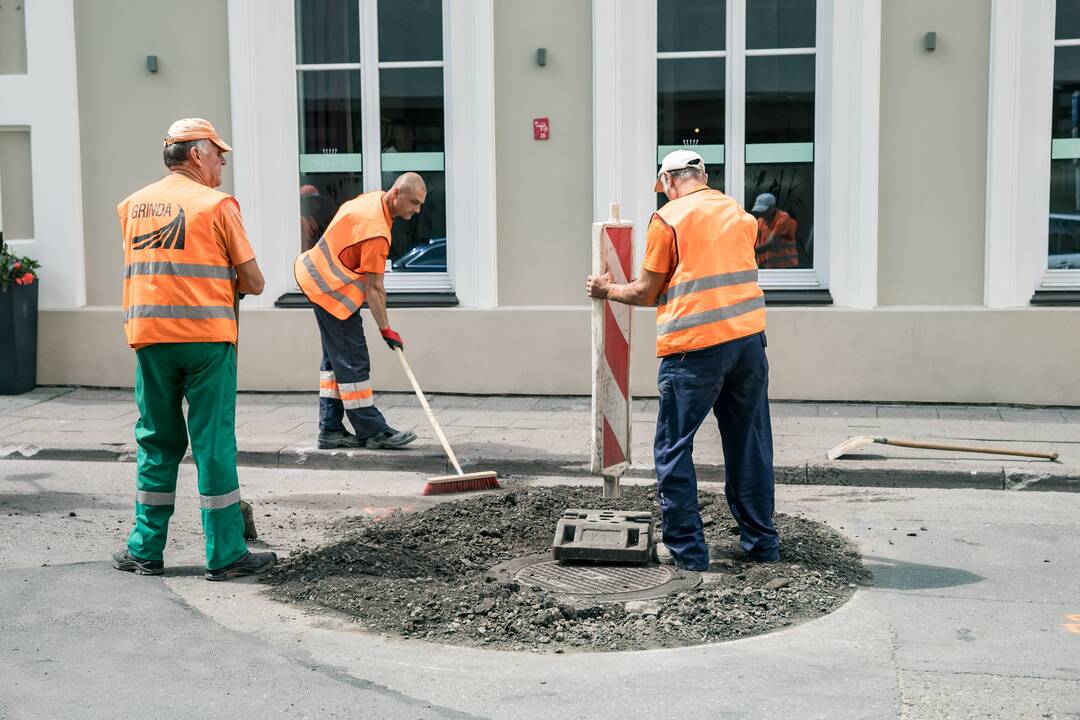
x=343 y=270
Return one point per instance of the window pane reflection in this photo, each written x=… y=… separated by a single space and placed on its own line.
x=1068 y=20
x=780 y=99
x=411 y=102
x=1064 y=230
x=419 y=244
x=330 y=119
x=327 y=31
x=690 y=102
x=410 y=30
x=685 y=25
x=781 y=23
x=779 y=176
x=785 y=224
x=321 y=194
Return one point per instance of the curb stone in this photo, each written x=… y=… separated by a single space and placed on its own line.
x=882 y=473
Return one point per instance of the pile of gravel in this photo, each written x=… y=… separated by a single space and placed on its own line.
x=425 y=575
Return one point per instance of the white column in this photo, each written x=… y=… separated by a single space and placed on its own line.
x=624 y=110
x=262 y=82
x=1018 y=149
x=46 y=101
x=469 y=34
x=852 y=54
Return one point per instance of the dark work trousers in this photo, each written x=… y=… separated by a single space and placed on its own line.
x=345 y=376
x=731 y=380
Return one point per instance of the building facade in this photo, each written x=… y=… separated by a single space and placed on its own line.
x=927 y=153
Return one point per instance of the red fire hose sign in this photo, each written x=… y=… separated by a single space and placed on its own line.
x=541 y=128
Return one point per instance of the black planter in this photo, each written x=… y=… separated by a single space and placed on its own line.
x=18 y=338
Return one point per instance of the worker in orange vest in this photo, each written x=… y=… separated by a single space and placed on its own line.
x=186 y=256
x=342 y=270
x=699 y=271
x=775 y=246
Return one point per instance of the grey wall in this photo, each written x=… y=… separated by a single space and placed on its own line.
x=933 y=152
x=17 y=203
x=124 y=111
x=12 y=38
x=544 y=188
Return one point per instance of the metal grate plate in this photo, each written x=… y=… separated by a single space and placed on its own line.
x=593 y=580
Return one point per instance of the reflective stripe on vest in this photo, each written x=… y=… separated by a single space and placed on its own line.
x=712 y=296
x=320 y=273
x=165 y=267
x=324 y=283
x=180 y=312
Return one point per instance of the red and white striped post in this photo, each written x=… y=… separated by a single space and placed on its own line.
x=613 y=251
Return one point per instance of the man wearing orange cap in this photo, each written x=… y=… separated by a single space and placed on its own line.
x=186 y=257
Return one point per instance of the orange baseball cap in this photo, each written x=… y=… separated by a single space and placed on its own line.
x=189 y=129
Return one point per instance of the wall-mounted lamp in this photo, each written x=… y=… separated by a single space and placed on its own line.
x=541 y=56
x=151 y=63
x=930 y=41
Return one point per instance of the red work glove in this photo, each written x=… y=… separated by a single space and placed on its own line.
x=393 y=340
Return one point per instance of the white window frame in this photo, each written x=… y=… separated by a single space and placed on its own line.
x=1018 y=154
x=45 y=101
x=848 y=53
x=262 y=56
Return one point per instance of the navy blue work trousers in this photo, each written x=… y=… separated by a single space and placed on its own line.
x=731 y=380
x=345 y=367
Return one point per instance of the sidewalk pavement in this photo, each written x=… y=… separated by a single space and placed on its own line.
x=529 y=435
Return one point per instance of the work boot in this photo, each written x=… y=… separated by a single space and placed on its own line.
x=389 y=439
x=735 y=551
x=249 y=564
x=124 y=560
x=249 y=520
x=664 y=557
x=333 y=439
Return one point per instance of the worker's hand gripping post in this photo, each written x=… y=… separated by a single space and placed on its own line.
x=613 y=252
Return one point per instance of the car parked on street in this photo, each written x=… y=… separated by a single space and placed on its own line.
x=429 y=257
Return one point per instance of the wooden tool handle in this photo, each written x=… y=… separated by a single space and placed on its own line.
x=967 y=448
x=427 y=409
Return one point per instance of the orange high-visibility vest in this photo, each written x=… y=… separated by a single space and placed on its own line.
x=712 y=296
x=320 y=273
x=179 y=285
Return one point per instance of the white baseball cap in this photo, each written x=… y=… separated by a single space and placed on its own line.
x=678 y=160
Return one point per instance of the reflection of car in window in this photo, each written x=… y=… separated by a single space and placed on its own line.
x=1064 y=242
x=430 y=257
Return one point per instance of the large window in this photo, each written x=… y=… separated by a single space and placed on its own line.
x=1064 y=231
x=370 y=92
x=736 y=83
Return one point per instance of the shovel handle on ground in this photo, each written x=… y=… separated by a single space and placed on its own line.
x=966 y=448
x=427 y=408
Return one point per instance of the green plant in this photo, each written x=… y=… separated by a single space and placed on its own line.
x=15 y=269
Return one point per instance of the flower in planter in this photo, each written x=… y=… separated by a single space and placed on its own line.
x=15 y=269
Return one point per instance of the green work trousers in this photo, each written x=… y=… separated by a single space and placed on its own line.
x=205 y=375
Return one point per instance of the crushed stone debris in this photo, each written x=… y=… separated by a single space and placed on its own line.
x=424 y=575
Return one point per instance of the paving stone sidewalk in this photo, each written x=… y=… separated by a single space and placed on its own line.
x=550 y=436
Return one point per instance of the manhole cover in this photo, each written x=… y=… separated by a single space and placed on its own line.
x=582 y=580
x=603 y=583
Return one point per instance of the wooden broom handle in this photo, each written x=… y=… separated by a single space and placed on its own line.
x=427 y=409
x=969 y=448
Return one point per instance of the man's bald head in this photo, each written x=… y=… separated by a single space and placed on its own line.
x=406 y=196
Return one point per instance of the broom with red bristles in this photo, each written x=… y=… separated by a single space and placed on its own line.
x=462 y=482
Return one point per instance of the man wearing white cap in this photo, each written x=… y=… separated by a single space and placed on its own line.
x=699 y=270
x=186 y=257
